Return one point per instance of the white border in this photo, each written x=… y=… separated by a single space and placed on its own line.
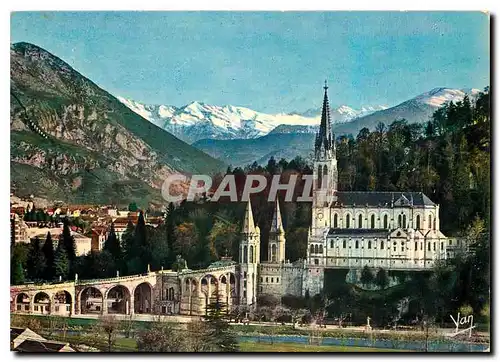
x=281 y=5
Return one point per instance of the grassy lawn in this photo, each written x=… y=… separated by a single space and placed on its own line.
x=297 y=347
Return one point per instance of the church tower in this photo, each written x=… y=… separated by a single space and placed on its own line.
x=276 y=247
x=325 y=173
x=249 y=258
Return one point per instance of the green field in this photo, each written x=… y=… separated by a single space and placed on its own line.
x=298 y=347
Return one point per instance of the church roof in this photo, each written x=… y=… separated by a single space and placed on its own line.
x=358 y=232
x=277 y=223
x=324 y=140
x=383 y=199
x=248 y=223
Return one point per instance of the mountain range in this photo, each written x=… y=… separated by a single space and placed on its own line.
x=75 y=142
x=197 y=121
x=239 y=136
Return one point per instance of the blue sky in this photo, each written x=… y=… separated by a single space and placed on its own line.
x=268 y=61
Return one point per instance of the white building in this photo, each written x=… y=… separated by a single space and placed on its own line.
x=350 y=230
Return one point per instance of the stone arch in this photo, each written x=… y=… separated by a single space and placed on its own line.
x=63 y=302
x=41 y=303
x=360 y=221
x=117 y=300
x=335 y=220
x=91 y=301
x=191 y=292
x=22 y=302
x=430 y=221
x=417 y=222
x=209 y=286
x=386 y=221
x=372 y=221
x=143 y=298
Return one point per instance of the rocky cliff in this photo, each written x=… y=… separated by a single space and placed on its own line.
x=71 y=140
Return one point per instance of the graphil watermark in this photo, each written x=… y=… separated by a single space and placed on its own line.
x=178 y=187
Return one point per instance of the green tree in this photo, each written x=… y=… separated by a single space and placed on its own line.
x=219 y=333
x=36 y=261
x=68 y=242
x=112 y=244
x=48 y=252
x=381 y=279
x=17 y=272
x=366 y=276
x=132 y=207
x=61 y=262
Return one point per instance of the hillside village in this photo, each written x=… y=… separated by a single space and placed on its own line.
x=90 y=223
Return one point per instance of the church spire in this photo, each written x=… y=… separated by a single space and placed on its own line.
x=277 y=224
x=248 y=223
x=324 y=135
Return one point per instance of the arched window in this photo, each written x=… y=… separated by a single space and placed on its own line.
x=381 y=244
x=335 y=220
x=321 y=249
x=369 y=244
x=404 y=221
x=171 y=294
x=245 y=254
x=418 y=222
x=325 y=177
x=373 y=221
x=331 y=243
x=312 y=249
x=251 y=253
x=385 y=222
x=357 y=244
x=416 y=245
x=316 y=249
x=320 y=176
x=343 y=244
x=273 y=252
x=348 y=221
x=430 y=221
x=360 y=221
x=400 y=221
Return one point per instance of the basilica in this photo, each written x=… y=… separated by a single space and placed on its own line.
x=350 y=230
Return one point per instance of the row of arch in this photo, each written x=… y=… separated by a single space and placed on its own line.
x=402 y=221
x=41 y=303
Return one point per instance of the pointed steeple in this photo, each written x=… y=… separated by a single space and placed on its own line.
x=248 y=223
x=324 y=135
x=277 y=224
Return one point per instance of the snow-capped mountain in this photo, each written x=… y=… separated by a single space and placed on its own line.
x=415 y=110
x=197 y=120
